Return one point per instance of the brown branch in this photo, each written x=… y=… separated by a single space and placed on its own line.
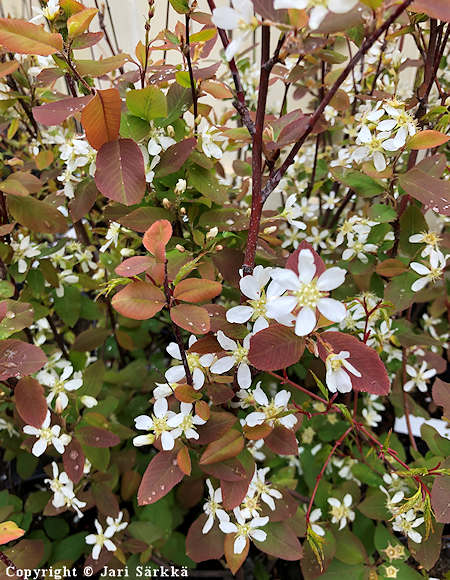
x=275 y=178
x=187 y=54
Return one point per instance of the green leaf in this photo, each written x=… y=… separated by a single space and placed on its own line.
x=180 y=6
x=69 y=549
x=382 y=213
x=363 y=472
x=207 y=184
x=350 y=549
x=358 y=182
x=68 y=306
x=148 y=103
x=411 y=222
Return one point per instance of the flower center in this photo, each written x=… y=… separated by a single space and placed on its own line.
x=193 y=360
x=259 y=307
x=431 y=238
x=308 y=294
x=159 y=425
x=240 y=354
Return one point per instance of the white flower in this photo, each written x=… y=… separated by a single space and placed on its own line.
x=340 y=511
x=60 y=384
x=240 y=19
x=292 y=211
x=197 y=365
x=237 y=355
x=431 y=273
x=159 y=141
x=209 y=137
x=358 y=247
x=318 y=238
x=264 y=490
x=431 y=239
x=253 y=286
x=46 y=436
x=212 y=507
x=406 y=523
x=318 y=9
x=23 y=248
x=307 y=292
x=315 y=516
x=273 y=412
x=89 y=401
x=158 y=423
x=115 y=524
x=184 y=422
x=244 y=530
x=50 y=12
x=375 y=145
x=101 y=539
x=337 y=377
x=419 y=377
x=112 y=236
x=65 y=278
x=60 y=485
x=180 y=187
x=75 y=503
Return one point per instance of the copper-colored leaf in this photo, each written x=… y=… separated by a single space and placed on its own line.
x=157 y=236
x=161 y=475
x=235 y=561
x=200 y=546
x=79 y=22
x=139 y=301
x=18 y=358
x=73 y=460
x=194 y=319
x=120 y=171
x=101 y=117
x=275 y=347
x=97 y=437
x=228 y=446
x=30 y=401
x=427 y=140
x=9 y=531
x=197 y=290
x=23 y=37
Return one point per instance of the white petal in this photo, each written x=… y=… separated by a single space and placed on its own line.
x=239 y=314
x=332 y=309
x=306 y=321
x=244 y=376
x=306 y=266
x=249 y=287
x=222 y=365
x=341 y=6
x=225 y=342
x=331 y=279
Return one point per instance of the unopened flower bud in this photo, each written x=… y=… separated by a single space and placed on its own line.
x=170 y=131
x=127 y=252
x=180 y=187
x=183 y=210
x=166 y=203
x=219 y=247
x=212 y=233
x=180 y=248
x=270 y=229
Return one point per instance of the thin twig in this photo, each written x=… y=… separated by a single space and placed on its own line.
x=187 y=54
x=275 y=178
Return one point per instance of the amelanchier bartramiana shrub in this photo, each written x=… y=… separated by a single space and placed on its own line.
x=224 y=314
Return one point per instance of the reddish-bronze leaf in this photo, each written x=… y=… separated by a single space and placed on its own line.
x=432 y=192
x=97 y=437
x=233 y=492
x=173 y=158
x=9 y=531
x=31 y=403
x=8 y=67
x=282 y=441
x=292 y=262
x=56 y=112
x=23 y=37
x=228 y=446
x=18 y=359
x=101 y=117
x=440 y=493
x=161 y=475
x=219 y=423
x=390 y=267
x=228 y=470
x=157 y=237
x=139 y=300
x=427 y=140
x=441 y=395
x=234 y=561
x=140 y=219
x=184 y=460
x=120 y=171
x=90 y=339
x=73 y=460
x=85 y=196
x=366 y=360
x=134 y=266
x=192 y=318
x=275 y=347
x=439 y=9
x=200 y=546
x=37 y=215
x=197 y=290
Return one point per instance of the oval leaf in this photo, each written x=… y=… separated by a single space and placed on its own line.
x=139 y=301
x=24 y=37
x=9 y=531
x=30 y=401
x=374 y=377
x=192 y=318
x=58 y=111
x=197 y=290
x=281 y=542
x=157 y=236
x=18 y=358
x=228 y=446
x=200 y=546
x=275 y=347
x=73 y=460
x=427 y=140
x=97 y=437
x=161 y=475
x=120 y=172
x=101 y=117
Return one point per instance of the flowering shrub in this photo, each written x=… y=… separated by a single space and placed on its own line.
x=224 y=314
